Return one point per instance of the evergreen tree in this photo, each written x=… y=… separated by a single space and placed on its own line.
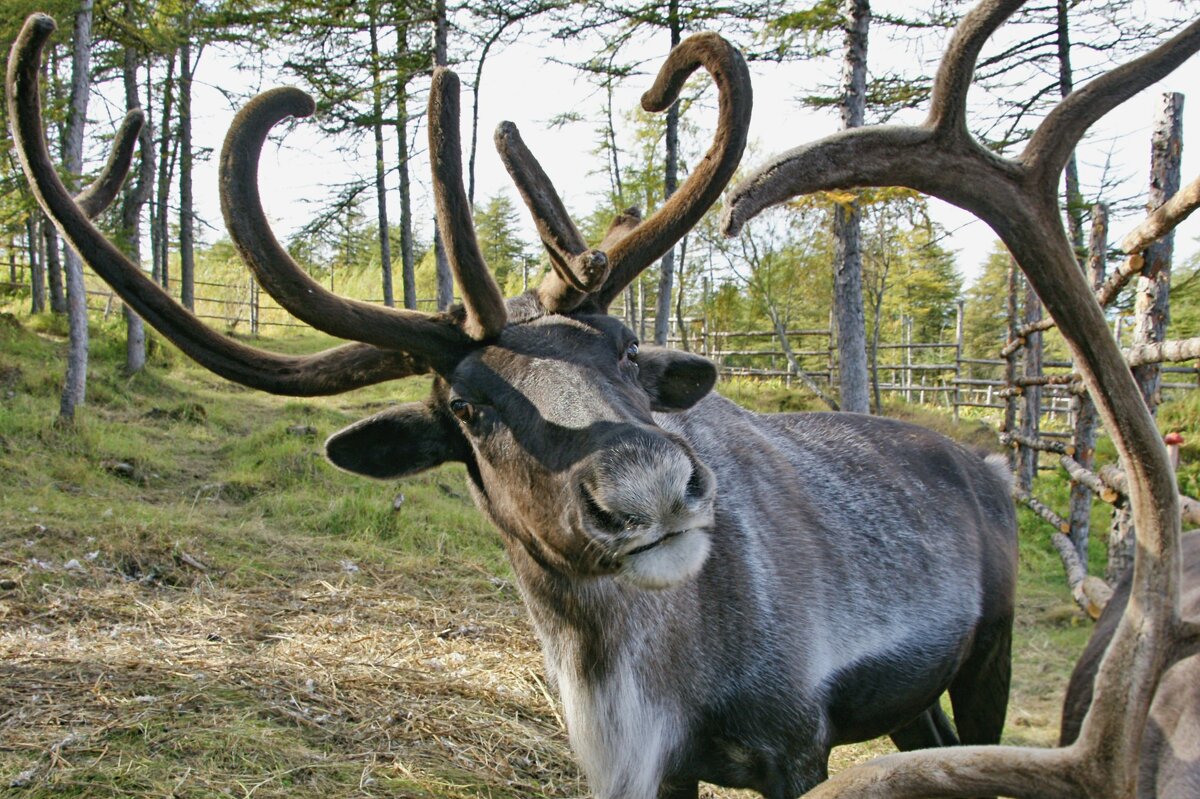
x=497 y=224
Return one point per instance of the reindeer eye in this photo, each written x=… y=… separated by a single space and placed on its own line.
x=631 y=351
x=462 y=409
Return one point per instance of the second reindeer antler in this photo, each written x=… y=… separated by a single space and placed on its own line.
x=581 y=275
x=1018 y=198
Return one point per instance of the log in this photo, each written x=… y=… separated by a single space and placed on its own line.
x=1189 y=507
x=1043 y=444
x=1089 y=479
x=1049 y=380
x=1047 y=513
x=1173 y=350
x=1116 y=281
x=1164 y=219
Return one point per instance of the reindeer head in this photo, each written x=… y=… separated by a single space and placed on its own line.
x=545 y=398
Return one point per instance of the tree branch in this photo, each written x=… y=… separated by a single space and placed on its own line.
x=1172 y=350
x=1163 y=219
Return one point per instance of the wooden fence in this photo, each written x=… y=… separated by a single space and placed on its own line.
x=926 y=373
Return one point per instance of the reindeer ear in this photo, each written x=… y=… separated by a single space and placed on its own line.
x=397 y=442
x=674 y=380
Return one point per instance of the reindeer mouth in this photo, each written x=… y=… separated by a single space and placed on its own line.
x=656 y=542
x=668 y=560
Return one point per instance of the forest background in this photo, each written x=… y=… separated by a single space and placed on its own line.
x=349 y=193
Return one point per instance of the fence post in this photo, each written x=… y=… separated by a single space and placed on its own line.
x=1151 y=298
x=1010 y=365
x=831 y=359
x=906 y=340
x=254 y=306
x=1032 y=413
x=956 y=395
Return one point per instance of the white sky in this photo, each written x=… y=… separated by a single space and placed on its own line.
x=521 y=85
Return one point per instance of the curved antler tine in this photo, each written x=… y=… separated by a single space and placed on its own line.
x=435 y=338
x=577 y=269
x=98 y=196
x=330 y=372
x=948 y=103
x=484 y=304
x=703 y=187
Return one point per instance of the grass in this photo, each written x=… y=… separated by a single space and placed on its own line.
x=193 y=603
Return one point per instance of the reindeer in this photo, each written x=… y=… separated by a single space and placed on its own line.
x=1018 y=198
x=721 y=596
x=1170 y=753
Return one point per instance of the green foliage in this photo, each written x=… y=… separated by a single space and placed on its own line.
x=985 y=312
x=497 y=226
x=1185 y=300
x=906 y=271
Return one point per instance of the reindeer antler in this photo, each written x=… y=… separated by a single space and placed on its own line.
x=433 y=337
x=583 y=275
x=1018 y=198
x=578 y=270
x=330 y=372
x=93 y=200
x=484 y=304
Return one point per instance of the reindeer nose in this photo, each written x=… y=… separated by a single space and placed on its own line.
x=648 y=482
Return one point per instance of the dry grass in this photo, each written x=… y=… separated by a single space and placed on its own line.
x=365 y=683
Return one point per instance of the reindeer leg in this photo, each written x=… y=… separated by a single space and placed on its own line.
x=926 y=731
x=979 y=693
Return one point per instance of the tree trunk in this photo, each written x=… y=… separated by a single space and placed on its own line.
x=445 y=281
x=187 y=257
x=1151 y=298
x=680 y=324
x=135 y=197
x=614 y=152
x=1066 y=84
x=407 y=262
x=166 y=166
x=1154 y=282
x=794 y=366
x=847 y=281
x=666 y=272
x=37 y=275
x=483 y=54
x=1084 y=437
x=385 y=244
x=874 y=355
x=1031 y=413
x=1010 y=360
x=54 y=269
x=75 y=384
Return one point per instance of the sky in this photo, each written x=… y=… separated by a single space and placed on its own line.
x=523 y=84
